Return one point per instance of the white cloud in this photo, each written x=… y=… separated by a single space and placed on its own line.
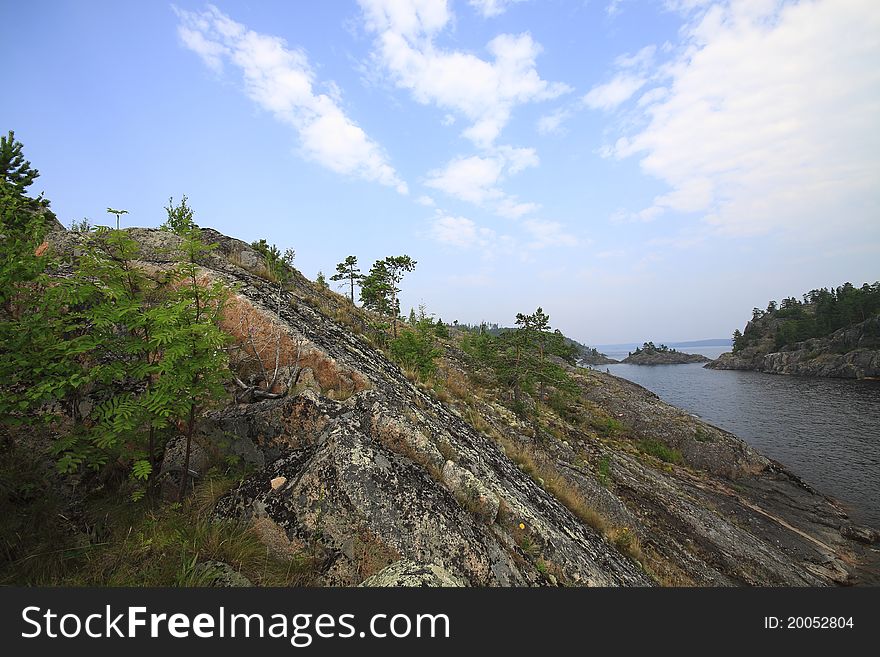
x=548 y=233
x=613 y=7
x=518 y=159
x=641 y=59
x=280 y=80
x=476 y=179
x=473 y=179
x=551 y=124
x=513 y=209
x=615 y=92
x=425 y=200
x=460 y=232
x=484 y=91
x=490 y=8
x=769 y=120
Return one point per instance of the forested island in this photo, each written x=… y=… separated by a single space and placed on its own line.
x=831 y=332
x=651 y=354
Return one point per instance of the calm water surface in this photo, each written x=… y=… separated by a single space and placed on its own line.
x=827 y=431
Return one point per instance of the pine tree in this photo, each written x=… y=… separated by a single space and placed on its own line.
x=16 y=175
x=347 y=270
x=379 y=289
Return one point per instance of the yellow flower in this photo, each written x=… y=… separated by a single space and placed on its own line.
x=522 y=525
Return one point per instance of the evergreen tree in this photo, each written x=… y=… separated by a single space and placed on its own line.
x=16 y=176
x=379 y=289
x=347 y=270
x=738 y=342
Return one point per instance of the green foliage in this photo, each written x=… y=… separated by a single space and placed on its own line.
x=15 y=171
x=179 y=218
x=130 y=544
x=660 y=450
x=279 y=265
x=604 y=470
x=321 y=281
x=380 y=288
x=348 y=270
x=651 y=348
x=822 y=312
x=518 y=357
x=415 y=347
x=608 y=426
x=125 y=356
x=81 y=226
x=17 y=208
x=738 y=342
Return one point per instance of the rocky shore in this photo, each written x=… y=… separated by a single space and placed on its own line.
x=850 y=353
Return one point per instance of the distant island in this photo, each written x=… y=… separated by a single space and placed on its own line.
x=832 y=332
x=592 y=356
x=651 y=354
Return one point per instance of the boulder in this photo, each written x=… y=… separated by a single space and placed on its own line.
x=171 y=470
x=471 y=492
x=411 y=574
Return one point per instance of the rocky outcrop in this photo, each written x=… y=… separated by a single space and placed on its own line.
x=379 y=481
x=850 y=353
x=658 y=357
x=411 y=574
x=596 y=359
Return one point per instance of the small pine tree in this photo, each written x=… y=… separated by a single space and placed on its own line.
x=347 y=270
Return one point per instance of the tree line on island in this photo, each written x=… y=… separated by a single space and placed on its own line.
x=820 y=313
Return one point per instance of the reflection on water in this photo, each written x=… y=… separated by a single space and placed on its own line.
x=827 y=431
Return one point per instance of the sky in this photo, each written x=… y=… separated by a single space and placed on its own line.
x=641 y=169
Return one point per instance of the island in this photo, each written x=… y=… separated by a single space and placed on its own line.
x=832 y=332
x=651 y=354
x=592 y=356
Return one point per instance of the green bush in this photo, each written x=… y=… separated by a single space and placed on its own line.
x=660 y=450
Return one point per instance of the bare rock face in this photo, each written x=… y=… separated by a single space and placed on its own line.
x=849 y=353
x=411 y=574
x=471 y=492
x=368 y=504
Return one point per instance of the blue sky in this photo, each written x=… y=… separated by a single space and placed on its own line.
x=641 y=169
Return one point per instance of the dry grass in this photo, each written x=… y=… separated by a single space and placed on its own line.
x=542 y=470
x=257 y=337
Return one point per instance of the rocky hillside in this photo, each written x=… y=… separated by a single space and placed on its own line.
x=386 y=479
x=849 y=353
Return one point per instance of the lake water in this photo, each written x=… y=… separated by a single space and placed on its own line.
x=827 y=431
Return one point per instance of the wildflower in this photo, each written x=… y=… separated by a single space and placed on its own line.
x=522 y=525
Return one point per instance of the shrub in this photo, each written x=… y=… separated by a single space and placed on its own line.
x=660 y=450
x=415 y=349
